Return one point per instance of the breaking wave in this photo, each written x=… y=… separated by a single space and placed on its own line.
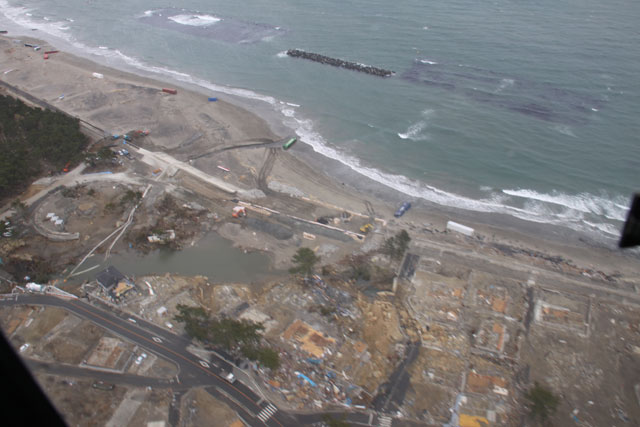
x=415 y=132
x=564 y=129
x=504 y=84
x=194 y=20
x=24 y=17
x=610 y=208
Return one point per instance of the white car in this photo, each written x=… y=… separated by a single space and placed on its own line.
x=228 y=376
x=24 y=346
x=139 y=360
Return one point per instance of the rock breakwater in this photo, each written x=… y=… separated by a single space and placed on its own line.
x=380 y=72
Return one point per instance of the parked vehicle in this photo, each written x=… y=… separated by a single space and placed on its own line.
x=289 y=143
x=141 y=358
x=101 y=385
x=404 y=207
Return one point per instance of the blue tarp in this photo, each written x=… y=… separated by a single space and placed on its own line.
x=307 y=379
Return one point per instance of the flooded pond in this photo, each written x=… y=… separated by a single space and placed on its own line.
x=212 y=256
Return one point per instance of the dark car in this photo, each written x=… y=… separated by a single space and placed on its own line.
x=402 y=209
x=101 y=385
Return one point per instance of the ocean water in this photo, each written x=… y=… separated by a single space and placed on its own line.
x=528 y=109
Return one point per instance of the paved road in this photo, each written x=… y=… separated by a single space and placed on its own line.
x=193 y=372
x=393 y=391
x=100 y=375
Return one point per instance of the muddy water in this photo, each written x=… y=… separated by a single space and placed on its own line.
x=212 y=256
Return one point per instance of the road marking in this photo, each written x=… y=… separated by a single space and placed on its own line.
x=385 y=421
x=267 y=413
x=79 y=307
x=203 y=363
x=156 y=339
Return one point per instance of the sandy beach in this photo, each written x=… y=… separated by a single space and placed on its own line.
x=207 y=134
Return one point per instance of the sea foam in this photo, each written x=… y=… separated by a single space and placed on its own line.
x=195 y=20
x=415 y=132
x=610 y=208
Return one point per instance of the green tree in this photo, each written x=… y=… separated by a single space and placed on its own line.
x=224 y=332
x=543 y=403
x=33 y=141
x=331 y=421
x=105 y=153
x=130 y=196
x=18 y=206
x=196 y=321
x=402 y=241
x=305 y=260
x=397 y=245
x=229 y=333
x=360 y=268
x=266 y=356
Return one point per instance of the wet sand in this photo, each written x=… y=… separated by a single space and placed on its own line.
x=190 y=128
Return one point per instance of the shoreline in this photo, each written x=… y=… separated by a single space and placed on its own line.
x=308 y=169
x=284 y=119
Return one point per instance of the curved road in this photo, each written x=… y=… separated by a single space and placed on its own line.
x=193 y=372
